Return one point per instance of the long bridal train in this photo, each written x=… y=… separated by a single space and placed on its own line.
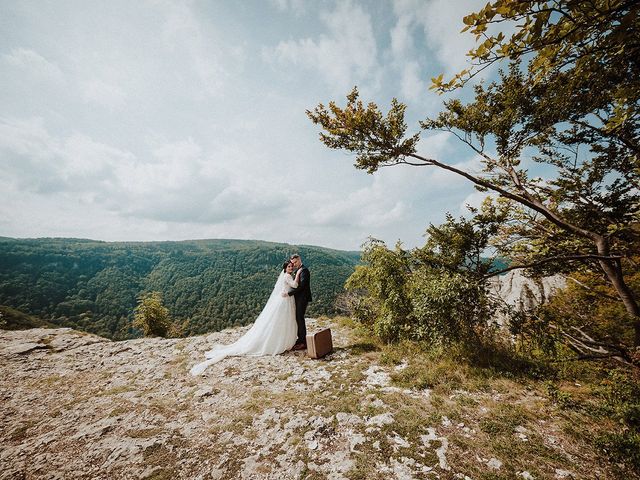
x=274 y=331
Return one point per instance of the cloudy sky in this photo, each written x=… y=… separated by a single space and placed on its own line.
x=171 y=120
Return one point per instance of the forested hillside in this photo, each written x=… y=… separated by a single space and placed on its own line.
x=214 y=284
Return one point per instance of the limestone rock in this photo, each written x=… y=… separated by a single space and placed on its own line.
x=80 y=406
x=524 y=293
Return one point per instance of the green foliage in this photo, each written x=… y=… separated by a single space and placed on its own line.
x=569 y=101
x=622 y=446
x=151 y=316
x=386 y=306
x=591 y=44
x=376 y=138
x=614 y=398
x=560 y=397
x=588 y=303
x=621 y=393
x=447 y=306
x=212 y=284
x=437 y=293
x=12 y=319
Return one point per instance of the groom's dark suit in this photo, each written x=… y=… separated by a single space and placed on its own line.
x=302 y=295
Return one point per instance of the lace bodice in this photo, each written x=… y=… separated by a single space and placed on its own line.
x=289 y=283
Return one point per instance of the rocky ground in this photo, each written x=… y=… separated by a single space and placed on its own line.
x=79 y=406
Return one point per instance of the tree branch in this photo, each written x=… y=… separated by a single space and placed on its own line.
x=553 y=259
x=528 y=202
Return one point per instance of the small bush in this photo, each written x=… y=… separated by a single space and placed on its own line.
x=623 y=447
x=151 y=316
x=436 y=294
x=561 y=398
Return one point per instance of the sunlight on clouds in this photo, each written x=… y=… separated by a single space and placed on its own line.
x=183 y=32
x=33 y=63
x=175 y=183
x=46 y=163
x=435 y=144
x=27 y=138
x=345 y=55
x=472 y=165
x=83 y=158
x=412 y=85
x=409 y=61
x=296 y=6
x=474 y=200
x=401 y=38
x=440 y=22
x=366 y=207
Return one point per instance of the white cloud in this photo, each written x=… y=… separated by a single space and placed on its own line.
x=295 y=6
x=373 y=206
x=442 y=22
x=45 y=163
x=177 y=182
x=401 y=36
x=474 y=200
x=183 y=32
x=193 y=137
x=103 y=94
x=472 y=165
x=34 y=63
x=344 y=56
x=412 y=85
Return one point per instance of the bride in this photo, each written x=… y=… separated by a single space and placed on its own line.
x=274 y=331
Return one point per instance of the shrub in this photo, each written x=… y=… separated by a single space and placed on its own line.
x=437 y=293
x=151 y=316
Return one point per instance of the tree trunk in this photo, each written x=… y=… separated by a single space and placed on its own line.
x=613 y=271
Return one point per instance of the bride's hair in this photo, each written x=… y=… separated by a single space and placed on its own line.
x=285 y=264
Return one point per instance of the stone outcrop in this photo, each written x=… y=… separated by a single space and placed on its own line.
x=77 y=406
x=522 y=293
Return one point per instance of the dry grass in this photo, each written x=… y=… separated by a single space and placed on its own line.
x=497 y=408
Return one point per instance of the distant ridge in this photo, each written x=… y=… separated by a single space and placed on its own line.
x=92 y=285
x=12 y=319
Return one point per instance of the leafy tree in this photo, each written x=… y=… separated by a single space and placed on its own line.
x=587 y=314
x=151 y=316
x=437 y=293
x=572 y=107
x=385 y=304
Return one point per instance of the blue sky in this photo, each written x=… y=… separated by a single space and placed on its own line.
x=163 y=120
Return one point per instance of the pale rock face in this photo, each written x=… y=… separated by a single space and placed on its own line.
x=74 y=405
x=523 y=293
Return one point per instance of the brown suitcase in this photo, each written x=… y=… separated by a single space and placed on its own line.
x=319 y=344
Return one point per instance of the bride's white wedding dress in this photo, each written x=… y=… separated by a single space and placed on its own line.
x=274 y=331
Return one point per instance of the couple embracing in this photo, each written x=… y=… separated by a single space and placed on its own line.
x=280 y=326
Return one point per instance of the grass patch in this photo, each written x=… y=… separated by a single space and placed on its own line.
x=580 y=417
x=163 y=474
x=361 y=348
x=48 y=381
x=20 y=432
x=117 y=390
x=504 y=419
x=144 y=432
x=120 y=410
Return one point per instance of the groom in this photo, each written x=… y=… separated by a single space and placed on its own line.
x=302 y=296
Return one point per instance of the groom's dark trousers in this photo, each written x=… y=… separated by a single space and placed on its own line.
x=302 y=296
